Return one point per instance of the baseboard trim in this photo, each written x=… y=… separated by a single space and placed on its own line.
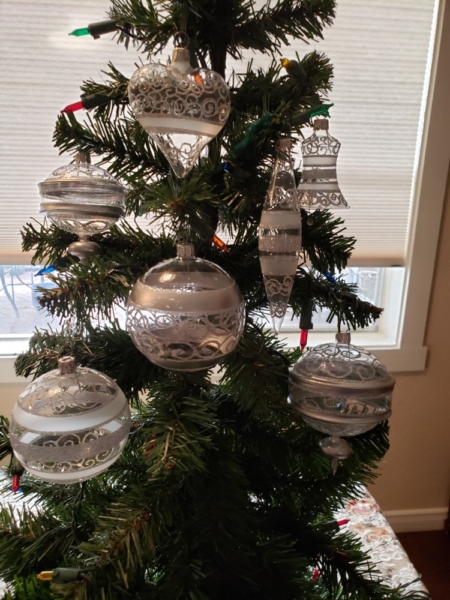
x=420 y=519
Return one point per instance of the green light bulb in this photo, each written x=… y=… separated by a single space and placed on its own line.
x=80 y=32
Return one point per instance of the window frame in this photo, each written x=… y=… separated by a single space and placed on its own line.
x=406 y=350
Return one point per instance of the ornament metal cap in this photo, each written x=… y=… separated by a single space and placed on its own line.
x=67 y=364
x=181 y=61
x=343 y=337
x=185 y=250
x=321 y=124
x=83 y=157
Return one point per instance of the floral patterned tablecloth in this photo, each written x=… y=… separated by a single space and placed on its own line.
x=366 y=520
x=379 y=540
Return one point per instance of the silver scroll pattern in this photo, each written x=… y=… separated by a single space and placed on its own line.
x=319 y=186
x=185 y=341
x=278 y=290
x=75 y=451
x=157 y=91
x=83 y=172
x=331 y=362
x=80 y=225
x=181 y=112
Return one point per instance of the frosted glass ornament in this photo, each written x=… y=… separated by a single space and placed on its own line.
x=83 y=199
x=70 y=424
x=181 y=109
x=185 y=314
x=280 y=234
x=340 y=390
x=319 y=186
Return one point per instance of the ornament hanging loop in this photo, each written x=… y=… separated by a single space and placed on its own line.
x=181 y=40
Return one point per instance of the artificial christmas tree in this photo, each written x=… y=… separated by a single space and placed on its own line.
x=221 y=491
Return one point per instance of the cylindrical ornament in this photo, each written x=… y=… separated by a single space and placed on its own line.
x=82 y=198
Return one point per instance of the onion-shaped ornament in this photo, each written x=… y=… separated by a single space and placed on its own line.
x=70 y=424
x=341 y=390
x=181 y=108
x=83 y=199
x=280 y=234
x=186 y=313
x=319 y=186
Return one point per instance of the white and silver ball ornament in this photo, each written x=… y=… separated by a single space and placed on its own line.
x=70 y=424
x=181 y=108
x=340 y=390
x=84 y=199
x=186 y=313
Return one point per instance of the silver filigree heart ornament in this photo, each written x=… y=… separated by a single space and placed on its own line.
x=181 y=108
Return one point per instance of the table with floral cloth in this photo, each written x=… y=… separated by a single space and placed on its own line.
x=378 y=539
x=366 y=520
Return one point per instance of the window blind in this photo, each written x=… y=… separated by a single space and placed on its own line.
x=379 y=50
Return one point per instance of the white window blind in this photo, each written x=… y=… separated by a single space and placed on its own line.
x=379 y=50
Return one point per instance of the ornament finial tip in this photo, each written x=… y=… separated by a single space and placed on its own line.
x=277 y=323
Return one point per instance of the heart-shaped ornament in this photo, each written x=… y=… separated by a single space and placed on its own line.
x=181 y=108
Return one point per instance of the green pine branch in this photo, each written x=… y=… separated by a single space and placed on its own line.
x=222 y=490
x=120 y=142
x=229 y=28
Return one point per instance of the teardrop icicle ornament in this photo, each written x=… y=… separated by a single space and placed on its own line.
x=280 y=234
x=181 y=108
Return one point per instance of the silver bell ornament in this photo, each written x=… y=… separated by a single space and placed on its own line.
x=70 y=424
x=319 y=186
x=341 y=390
x=83 y=199
x=280 y=234
x=186 y=313
x=181 y=109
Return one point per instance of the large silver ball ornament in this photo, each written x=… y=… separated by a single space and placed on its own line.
x=70 y=424
x=340 y=390
x=185 y=314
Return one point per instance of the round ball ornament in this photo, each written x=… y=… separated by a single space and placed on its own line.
x=186 y=313
x=70 y=424
x=83 y=199
x=340 y=390
x=181 y=108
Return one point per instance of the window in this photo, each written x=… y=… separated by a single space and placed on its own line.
x=387 y=107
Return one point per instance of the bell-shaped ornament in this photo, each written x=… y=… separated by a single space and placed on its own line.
x=280 y=234
x=181 y=108
x=319 y=186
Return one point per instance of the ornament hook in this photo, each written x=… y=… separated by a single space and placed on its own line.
x=181 y=40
